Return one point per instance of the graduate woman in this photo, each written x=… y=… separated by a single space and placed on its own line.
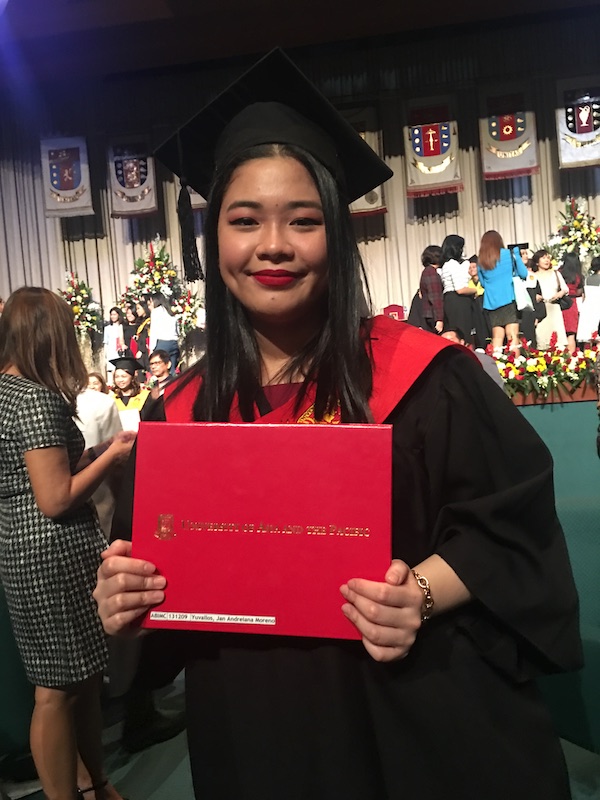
x=438 y=699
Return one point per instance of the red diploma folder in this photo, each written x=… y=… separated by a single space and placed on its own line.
x=256 y=526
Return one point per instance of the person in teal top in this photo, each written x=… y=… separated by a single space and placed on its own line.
x=495 y=270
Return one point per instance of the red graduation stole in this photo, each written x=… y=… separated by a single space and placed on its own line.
x=400 y=353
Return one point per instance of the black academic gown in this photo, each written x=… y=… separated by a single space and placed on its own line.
x=459 y=718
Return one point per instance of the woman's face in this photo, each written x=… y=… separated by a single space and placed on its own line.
x=123 y=379
x=114 y=316
x=130 y=314
x=272 y=243
x=150 y=303
x=545 y=262
x=94 y=383
x=472 y=269
x=139 y=310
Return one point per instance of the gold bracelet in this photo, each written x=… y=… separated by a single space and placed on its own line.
x=427 y=607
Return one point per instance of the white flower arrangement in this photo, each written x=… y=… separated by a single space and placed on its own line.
x=155 y=273
x=579 y=233
x=86 y=312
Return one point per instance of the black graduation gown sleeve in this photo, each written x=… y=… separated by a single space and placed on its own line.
x=484 y=479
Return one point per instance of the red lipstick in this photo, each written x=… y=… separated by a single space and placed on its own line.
x=275 y=277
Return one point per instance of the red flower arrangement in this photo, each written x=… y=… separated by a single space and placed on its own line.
x=538 y=372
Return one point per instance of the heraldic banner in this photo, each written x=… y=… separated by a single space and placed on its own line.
x=66 y=177
x=365 y=122
x=578 y=122
x=431 y=148
x=132 y=186
x=373 y=202
x=508 y=139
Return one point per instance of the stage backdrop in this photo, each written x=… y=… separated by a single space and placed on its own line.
x=387 y=75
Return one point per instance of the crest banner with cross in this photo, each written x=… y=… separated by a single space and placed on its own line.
x=432 y=164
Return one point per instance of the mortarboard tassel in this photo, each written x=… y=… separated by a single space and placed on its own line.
x=191 y=260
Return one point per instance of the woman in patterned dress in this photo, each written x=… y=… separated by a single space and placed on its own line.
x=50 y=539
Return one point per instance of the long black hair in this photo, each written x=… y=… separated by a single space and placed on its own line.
x=571 y=268
x=143 y=304
x=160 y=301
x=335 y=359
x=119 y=313
x=452 y=247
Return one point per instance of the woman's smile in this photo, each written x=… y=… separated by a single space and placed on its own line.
x=123 y=380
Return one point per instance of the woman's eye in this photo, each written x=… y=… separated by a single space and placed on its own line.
x=307 y=221
x=243 y=221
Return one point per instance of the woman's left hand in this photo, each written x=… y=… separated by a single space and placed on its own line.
x=388 y=614
x=121 y=445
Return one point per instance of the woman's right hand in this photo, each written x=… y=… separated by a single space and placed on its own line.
x=127 y=587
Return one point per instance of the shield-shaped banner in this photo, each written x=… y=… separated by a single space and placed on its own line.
x=507 y=127
x=66 y=177
x=131 y=169
x=132 y=184
x=578 y=123
x=65 y=168
x=431 y=140
x=508 y=145
x=432 y=164
x=583 y=114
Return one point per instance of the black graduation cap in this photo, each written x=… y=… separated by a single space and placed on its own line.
x=522 y=246
x=272 y=103
x=127 y=363
x=310 y=122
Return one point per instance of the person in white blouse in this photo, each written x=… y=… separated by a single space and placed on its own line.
x=114 y=343
x=589 y=317
x=458 y=295
x=163 y=329
x=98 y=419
